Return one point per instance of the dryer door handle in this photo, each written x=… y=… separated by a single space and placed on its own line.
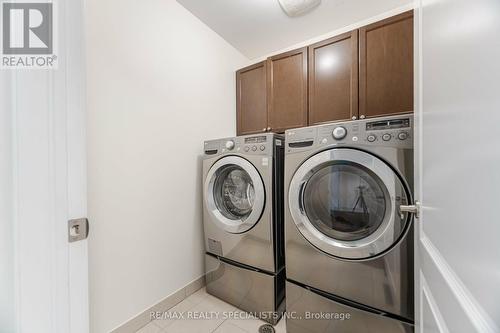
x=412 y=209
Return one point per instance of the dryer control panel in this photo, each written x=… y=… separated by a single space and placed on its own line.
x=393 y=131
x=259 y=144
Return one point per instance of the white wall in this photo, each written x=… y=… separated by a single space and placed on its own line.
x=159 y=83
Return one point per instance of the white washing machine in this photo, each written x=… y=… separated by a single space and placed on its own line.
x=243 y=222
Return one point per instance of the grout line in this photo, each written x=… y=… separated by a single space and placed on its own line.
x=215 y=329
x=142 y=319
x=194 y=304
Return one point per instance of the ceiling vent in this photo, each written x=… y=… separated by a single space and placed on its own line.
x=295 y=8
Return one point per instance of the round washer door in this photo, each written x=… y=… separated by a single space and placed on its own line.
x=234 y=194
x=346 y=203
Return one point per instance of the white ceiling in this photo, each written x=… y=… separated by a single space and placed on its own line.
x=259 y=27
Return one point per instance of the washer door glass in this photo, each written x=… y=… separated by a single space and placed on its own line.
x=345 y=201
x=234 y=192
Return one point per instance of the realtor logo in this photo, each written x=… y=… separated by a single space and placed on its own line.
x=28 y=35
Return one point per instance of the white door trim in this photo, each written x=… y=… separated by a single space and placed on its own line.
x=470 y=306
x=426 y=294
x=48 y=164
x=74 y=25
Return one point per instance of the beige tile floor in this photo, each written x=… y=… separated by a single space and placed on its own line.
x=204 y=313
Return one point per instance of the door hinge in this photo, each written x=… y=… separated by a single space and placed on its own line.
x=78 y=229
x=412 y=209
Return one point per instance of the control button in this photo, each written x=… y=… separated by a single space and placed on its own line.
x=254 y=148
x=230 y=144
x=371 y=138
x=354 y=138
x=386 y=137
x=324 y=141
x=339 y=133
x=247 y=148
x=403 y=136
x=262 y=147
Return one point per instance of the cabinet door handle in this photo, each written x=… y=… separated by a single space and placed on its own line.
x=362 y=116
x=264 y=129
x=354 y=118
x=269 y=128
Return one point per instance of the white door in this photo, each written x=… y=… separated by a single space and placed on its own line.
x=43 y=277
x=458 y=163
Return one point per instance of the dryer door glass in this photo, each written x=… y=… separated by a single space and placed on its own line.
x=234 y=192
x=345 y=201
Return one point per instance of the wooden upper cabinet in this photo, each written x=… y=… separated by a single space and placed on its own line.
x=251 y=99
x=386 y=66
x=364 y=73
x=333 y=79
x=287 y=97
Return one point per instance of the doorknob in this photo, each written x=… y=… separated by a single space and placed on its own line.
x=412 y=209
x=78 y=229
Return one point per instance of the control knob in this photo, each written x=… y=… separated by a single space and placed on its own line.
x=371 y=138
x=339 y=133
x=403 y=136
x=386 y=137
x=230 y=144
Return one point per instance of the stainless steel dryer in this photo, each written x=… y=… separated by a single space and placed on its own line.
x=349 y=239
x=243 y=222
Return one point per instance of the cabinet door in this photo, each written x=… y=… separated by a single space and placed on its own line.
x=333 y=79
x=251 y=99
x=287 y=79
x=386 y=66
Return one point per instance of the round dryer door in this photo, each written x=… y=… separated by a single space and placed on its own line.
x=346 y=203
x=234 y=194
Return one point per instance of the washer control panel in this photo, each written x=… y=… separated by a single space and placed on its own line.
x=250 y=144
x=392 y=131
x=389 y=129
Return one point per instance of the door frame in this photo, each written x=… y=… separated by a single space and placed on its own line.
x=49 y=184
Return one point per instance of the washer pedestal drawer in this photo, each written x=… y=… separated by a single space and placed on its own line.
x=251 y=290
x=308 y=311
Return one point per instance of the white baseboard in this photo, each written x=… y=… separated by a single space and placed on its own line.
x=144 y=317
